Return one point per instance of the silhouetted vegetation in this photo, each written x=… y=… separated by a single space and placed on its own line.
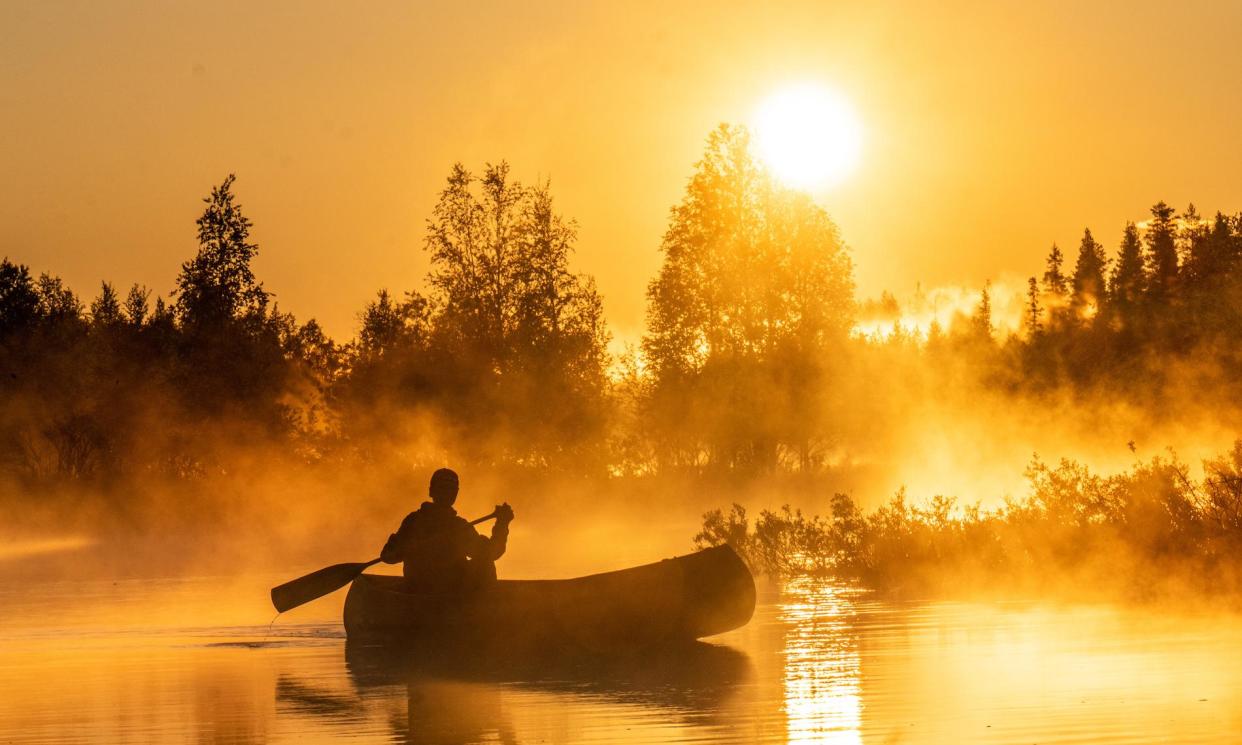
x=752 y=364
x=1148 y=531
x=1172 y=296
x=506 y=351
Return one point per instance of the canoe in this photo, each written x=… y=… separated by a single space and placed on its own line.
x=680 y=599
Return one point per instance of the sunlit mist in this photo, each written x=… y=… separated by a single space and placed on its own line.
x=795 y=373
x=809 y=135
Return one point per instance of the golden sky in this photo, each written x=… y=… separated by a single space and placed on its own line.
x=991 y=129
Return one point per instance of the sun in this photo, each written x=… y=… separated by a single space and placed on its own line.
x=809 y=136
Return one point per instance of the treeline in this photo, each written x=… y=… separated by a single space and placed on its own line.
x=749 y=364
x=500 y=359
x=1149 y=532
x=1164 y=310
x=504 y=356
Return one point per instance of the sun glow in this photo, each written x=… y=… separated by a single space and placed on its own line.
x=809 y=136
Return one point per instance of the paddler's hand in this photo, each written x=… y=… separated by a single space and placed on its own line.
x=504 y=513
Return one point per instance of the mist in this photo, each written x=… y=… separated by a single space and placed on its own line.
x=205 y=430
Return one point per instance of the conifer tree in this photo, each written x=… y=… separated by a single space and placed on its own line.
x=1088 y=281
x=1161 y=257
x=1210 y=255
x=981 y=321
x=1128 y=279
x=1034 y=314
x=1055 y=283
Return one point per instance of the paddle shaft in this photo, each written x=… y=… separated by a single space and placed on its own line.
x=329 y=579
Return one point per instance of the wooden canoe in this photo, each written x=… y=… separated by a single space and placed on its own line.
x=679 y=599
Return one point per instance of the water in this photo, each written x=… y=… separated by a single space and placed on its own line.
x=195 y=661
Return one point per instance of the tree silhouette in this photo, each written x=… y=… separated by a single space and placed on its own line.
x=136 y=306
x=1088 y=281
x=1211 y=254
x=1034 y=313
x=228 y=343
x=1161 y=256
x=1055 y=283
x=57 y=303
x=106 y=309
x=747 y=364
x=981 y=321
x=218 y=285
x=19 y=303
x=519 y=340
x=1129 y=279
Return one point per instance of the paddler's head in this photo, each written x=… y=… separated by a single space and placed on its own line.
x=443 y=489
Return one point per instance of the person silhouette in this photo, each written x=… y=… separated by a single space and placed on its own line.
x=442 y=552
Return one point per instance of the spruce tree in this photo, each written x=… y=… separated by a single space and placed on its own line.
x=1088 y=281
x=1161 y=258
x=1128 y=279
x=981 y=321
x=1055 y=283
x=1034 y=314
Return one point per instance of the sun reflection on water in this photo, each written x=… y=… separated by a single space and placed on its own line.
x=822 y=665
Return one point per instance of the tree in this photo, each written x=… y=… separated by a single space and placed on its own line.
x=106 y=309
x=521 y=339
x=162 y=315
x=1161 y=257
x=981 y=321
x=1129 y=279
x=57 y=303
x=747 y=265
x=135 y=308
x=1034 y=314
x=231 y=363
x=311 y=346
x=754 y=289
x=1211 y=254
x=1088 y=281
x=218 y=285
x=1055 y=283
x=389 y=326
x=19 y=302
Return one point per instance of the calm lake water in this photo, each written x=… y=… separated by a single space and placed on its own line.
x=195 y=661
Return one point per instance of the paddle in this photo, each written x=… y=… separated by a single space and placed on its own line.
x=317 y=584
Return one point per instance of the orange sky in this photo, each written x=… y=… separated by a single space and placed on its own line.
x=992 y=129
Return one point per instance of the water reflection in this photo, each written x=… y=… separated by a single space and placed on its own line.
x=695 y=675
x=84 y=663
x=822 y=665
x=435 y=695
x=453 y=695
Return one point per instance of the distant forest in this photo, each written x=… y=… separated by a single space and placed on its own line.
x=749 y=364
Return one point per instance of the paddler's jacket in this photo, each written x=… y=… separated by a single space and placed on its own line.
x=443 y=552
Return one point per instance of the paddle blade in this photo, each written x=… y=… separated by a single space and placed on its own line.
x=315 y=585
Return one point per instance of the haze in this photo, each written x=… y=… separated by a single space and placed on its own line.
x=992 y=129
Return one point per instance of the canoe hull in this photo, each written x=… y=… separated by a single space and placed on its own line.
x=680 y=599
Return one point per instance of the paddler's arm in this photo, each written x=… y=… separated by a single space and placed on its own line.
x=394 y=549
x=493 y=548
